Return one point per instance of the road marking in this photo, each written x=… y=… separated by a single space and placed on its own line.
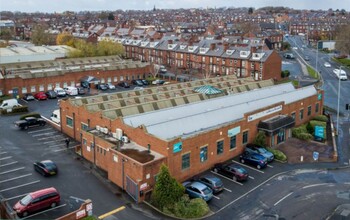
x=56 y=145
x=216 y=197
x=248 y=166
x=227 y=189
x=15 y=197
x=46 y=129
x=269 y=166
x=282 y=199
x=15 y=187
x=9 y=171
x=14 y=178
x=47 y=133
x=65 y=148
x=76 y=198
x=313 y=185
x=47 y=142
x=38 y=213
x=111 y=212
x=6 y=164
x=40 y=139
x=227 y=178
x=3 y=153
x=5 y=158
x=251 y=177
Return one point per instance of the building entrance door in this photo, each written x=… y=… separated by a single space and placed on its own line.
x=281 y=136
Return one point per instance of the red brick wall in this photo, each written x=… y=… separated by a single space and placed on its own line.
x=272 y=67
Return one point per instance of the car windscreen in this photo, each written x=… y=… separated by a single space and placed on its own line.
x=50 y=166
x=26 y=200
x=241 y=170
x=206 y=191
x=262 y=150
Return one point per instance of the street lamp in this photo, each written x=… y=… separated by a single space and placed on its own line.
x=338 y=100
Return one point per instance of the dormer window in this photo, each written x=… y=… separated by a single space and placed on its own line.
x=244 y=54
x=203 y=50
x=182 y=47
x=229 y=52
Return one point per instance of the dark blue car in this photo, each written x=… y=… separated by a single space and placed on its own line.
x=253 y=159
x=213 y=182
x=198 y=190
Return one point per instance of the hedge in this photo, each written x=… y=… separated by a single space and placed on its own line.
x=32 y=114
x=5 y=97
x=321 y=118
x=18 y=109
x=301 y=133
x=188 y=208
x=279 y=155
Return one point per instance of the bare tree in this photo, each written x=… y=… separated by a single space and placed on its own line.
x=155 y=70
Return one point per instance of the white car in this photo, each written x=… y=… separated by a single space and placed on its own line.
x=341 y=74
x=110 y=86
x=326 y=64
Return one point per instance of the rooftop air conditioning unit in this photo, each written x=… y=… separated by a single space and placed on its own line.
x=114 y=135
x=119 y=133
x=105 y=130
x=125 y=139
x=98 y=128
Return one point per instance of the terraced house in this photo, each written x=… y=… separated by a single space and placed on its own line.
x=188 y=126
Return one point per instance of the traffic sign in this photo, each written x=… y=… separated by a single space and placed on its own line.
x=315 y=155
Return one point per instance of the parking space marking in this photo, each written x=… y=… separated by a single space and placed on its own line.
x=282 y=199
x=40 y=139
x=3 y=153
x=9 y=171
x=46 y=129
x=65 y=148
x=56 y=145
x=6 y=164
x=216 y=197
x=227 y=189
x=47 y=210
x=15 y=197
x=269 y=166
x=227 y=178
x=47 y=133
x=14 y=178
x=111 y=212
x=47 y=142
x=5 y=158
x=242 y=164
x=15 y=187
x=251 y=177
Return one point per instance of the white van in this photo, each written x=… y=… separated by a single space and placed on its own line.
x=70 y=90
x=60 y=91
x=9 y=104
x=55 y=116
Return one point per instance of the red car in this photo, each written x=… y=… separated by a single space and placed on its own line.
x=40 y=96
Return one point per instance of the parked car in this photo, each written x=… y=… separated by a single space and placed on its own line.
x=326 y=64
x=101 y=87
x=60 y=92
x=46 y=168
x=137 y=82
x=110 y=86
x=306 y=58
x=288 y=56
x=158 y=82
x=71 y=90
x=232 y=171
x=30 y=122
x=40 y=96
x=213 y=182
x=162 y=69
x=81 y=90
x=9 y=104
x=51 y=94
x=28 y=97
x=145 y=82
x=198 y=190
x=138 y=88
x=341 y=74
x=124 y=84
x=253 y=148
x=253 y=159
x=36 y=201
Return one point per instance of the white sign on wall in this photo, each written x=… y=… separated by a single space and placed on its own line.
x=264 y=113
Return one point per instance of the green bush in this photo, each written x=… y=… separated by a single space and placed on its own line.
x=285 y=73
x=309 y=128
x=321 y=118
x=18 y=109
x=318 y=123
x=305 y=136
x=33 y=114
x=260 y=139
x=190 y=208
x=279 y=155
x=298 y=130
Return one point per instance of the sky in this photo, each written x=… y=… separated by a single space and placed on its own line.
x=111 y=5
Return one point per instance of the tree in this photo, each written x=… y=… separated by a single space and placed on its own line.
x=108 y=48
x=342 y=39
x=6 y=34
x=40 y=37
x=250 y=10
x=110 y=16
x=155 y=70
x=167 y=191
x=260 y=139
x=249 y=27
x=65 y=39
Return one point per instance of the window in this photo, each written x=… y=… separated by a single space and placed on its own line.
x=317 y=107
x=84 y=126
x=49 y=86
x=293 y=115
x=84 y=141
x=24 y=90
x=233 y=142
x=245 y=137
x=301 y=114
x=32 y=89
x=203 y=155
x=69 y=121
x=186 y=161
x=102 y=80
x=309 y=110
x=219 y=147
x=65 y=84
x=115 y=79
x=109 y=79
x=57 y=85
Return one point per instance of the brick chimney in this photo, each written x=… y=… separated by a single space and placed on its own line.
x=253 y=49
x=170 y=41
x=226 y=45
x=151 y=39
x=212 y=46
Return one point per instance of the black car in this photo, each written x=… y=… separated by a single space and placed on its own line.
x=137 y=82
x=232 y=171
x=28 y=97
x=254 y=148
x=46 y=168
x=124 y=84
x=101 y=87
x=51 y=94
x=145 y=82
x=211 y=181
x=81 y=90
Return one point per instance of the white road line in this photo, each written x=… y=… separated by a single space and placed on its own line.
x=9 y=171
x=216 y=197
x=64 y=149
x=47 y=133
x=6 y=164
x=251 y=177
x=227 y=178
x=242 y=164
x=76 y=198
x=15 y=197
x=46 y=129
x=314 y=185
x=47 y=142
x=227 y=190
x=3 y=153
x=282 y=199
x=40 y=139
x=5 y=158
x=269 y=166
x=15 y=187
x=14 y=178
x=47 y=210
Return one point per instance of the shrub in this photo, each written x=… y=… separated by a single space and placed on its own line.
x=194 y=208
x=33 y=114
x=309 y=128
x=279 y=155
x=18 y=109
x=298 y=130
x=285 y=73
x=305 y=136
x=321 y=118
x=260 y=139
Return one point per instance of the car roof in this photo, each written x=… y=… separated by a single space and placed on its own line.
x=43 y=192
x=198 y=185
x=46 y=161
x=211 y=177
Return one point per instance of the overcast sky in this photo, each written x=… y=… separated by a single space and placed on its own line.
x=110 y=5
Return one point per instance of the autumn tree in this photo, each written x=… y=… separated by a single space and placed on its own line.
x=65 y=39
x=108 y=48
x=6 y=34
x=247 y=27
x=40 y=36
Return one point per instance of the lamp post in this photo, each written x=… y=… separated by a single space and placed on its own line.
x=338 y=100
